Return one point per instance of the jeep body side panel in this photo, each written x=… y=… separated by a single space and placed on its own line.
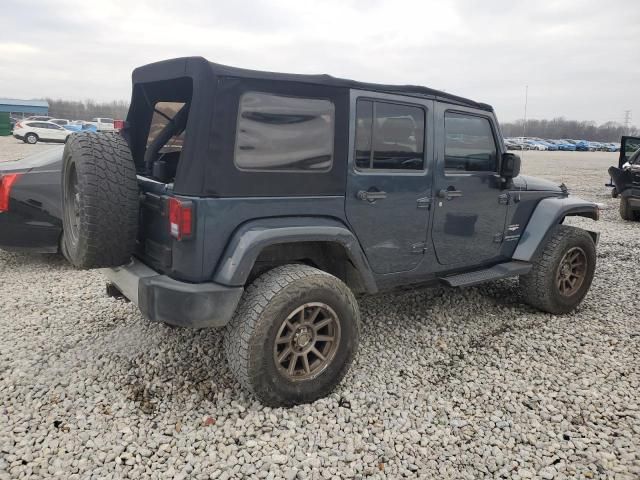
x=253 y=237
x=522 y=203
x=550 y=212
x=220 y=218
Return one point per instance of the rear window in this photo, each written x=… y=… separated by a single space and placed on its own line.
x=106 y=120
x=280 y=133
x=162 y=115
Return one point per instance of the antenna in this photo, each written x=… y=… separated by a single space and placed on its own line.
x=524 y=123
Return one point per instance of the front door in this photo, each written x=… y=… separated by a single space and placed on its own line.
x=469 y=207
x=389 y=181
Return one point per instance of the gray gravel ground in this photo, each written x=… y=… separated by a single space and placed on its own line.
x=448 y=383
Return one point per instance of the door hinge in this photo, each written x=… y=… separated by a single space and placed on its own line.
x=420 y=247
x=498 y=237
x=504 y=199
x=424 y=202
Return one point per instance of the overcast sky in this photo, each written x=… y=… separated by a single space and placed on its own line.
x=580 y=58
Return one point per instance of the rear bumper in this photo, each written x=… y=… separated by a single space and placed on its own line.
x=163 y=299
x=19 y=137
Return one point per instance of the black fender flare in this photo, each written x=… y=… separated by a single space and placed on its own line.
x=550 y=212
x=248 y=241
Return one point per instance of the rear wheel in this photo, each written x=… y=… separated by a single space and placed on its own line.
x=31 y=138
x=99 y=201
x=293 y=336
x=562 y=272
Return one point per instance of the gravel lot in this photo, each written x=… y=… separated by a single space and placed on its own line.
x=448 y=383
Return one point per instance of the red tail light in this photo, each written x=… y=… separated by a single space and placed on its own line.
x=180 y=218
x=18 y=125
x=6 y=182
x=118 y=124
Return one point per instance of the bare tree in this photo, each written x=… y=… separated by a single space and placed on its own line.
x=560 y=127
x=77 y=110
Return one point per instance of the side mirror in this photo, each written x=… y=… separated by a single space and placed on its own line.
x=510 y=167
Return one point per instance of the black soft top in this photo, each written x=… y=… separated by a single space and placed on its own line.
x=202 y=69
x=213 y=91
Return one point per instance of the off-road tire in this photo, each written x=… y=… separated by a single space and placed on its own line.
x=626 y=212
x=251 y=334
x=539 y=287
x=29 y=136
x=100 y=169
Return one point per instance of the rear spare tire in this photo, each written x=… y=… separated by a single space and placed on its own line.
x=99 y=200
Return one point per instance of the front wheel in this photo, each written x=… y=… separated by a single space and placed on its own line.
x=626 y=212
x=294 y=335
x=562 y=271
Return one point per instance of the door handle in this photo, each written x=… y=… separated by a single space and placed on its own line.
x=371 y=195
x=450 y=193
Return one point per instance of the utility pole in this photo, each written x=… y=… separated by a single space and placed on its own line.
x=627 y=121
x=524 y=123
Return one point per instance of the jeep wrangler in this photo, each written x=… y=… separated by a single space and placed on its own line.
x=263 y=202
x=625 y=179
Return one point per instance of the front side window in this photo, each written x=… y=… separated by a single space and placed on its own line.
x=389 y=136
x=278 y=133
x=470 y=145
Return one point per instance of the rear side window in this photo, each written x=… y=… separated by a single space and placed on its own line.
x=470 y=145
x=279 y=133
x=162 y=115
x=389 y=136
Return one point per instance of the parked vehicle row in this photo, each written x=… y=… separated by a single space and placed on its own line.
x=48 y=129
x=565 y=144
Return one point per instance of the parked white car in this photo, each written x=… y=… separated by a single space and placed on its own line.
x=31 y=131
x=103 y=124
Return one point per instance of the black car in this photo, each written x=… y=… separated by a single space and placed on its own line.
x=31 y=202
x=625 y=178
x=263 y=202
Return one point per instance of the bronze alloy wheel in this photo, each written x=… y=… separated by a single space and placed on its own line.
x=571 y=271
x=307 y=341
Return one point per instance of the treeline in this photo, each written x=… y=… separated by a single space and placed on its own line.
x=563 y=128
x=75 y=110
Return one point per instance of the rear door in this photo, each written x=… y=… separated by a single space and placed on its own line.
x=389 y=181
x=470 y=208
x=56 y=132
x=41 y=129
